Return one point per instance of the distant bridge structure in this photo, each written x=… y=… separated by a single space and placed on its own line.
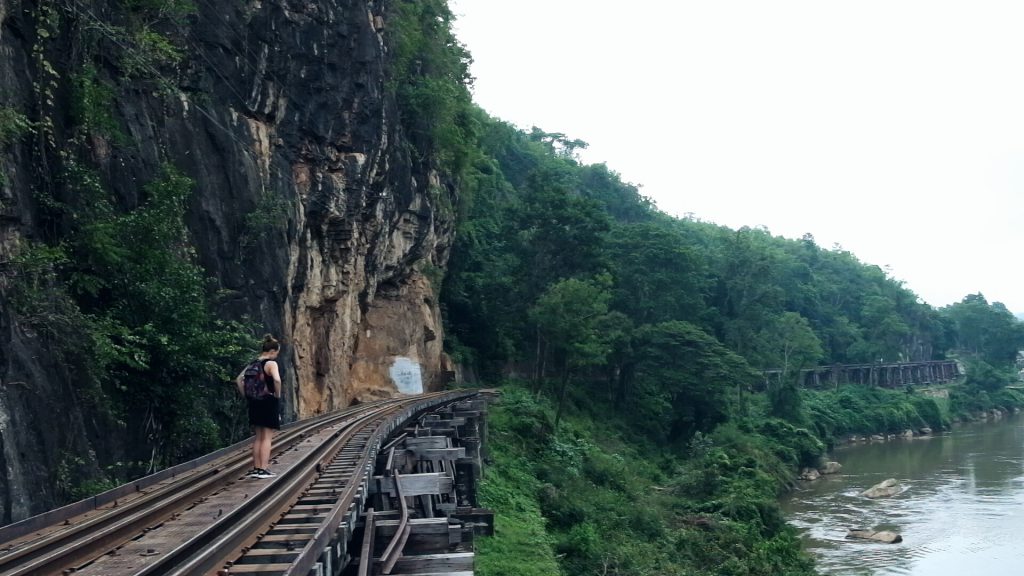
x=884 y=375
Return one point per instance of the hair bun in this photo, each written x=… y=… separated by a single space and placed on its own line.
x=270 y=343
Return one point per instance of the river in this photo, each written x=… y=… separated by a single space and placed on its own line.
x=961 y=510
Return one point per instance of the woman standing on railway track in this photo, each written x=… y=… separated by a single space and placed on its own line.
x=260 y=383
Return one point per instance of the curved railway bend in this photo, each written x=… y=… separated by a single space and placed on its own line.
x=380 y=488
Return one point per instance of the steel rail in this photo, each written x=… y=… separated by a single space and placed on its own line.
x=204 y=552
x=311 y=552
x=88 y=539
x=209 y=550
x=394 y=549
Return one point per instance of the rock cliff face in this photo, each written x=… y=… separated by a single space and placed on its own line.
x=279 y=109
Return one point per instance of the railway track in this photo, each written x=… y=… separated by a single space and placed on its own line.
x=207 y=517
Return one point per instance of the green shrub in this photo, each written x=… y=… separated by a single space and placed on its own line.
x=521 y=544
x=613 y=503
x=524 y=417
x=799 y=445
x=269 y=217
x=13 y=125
x=984 y=377
x=580 y=546
x=855 y=409
x=93 y=104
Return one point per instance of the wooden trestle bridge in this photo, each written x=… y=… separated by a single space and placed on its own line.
x=885 y=375
x=386 y=487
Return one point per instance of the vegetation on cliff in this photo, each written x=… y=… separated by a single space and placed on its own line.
x=428 y=76
x=120 y=295
x=105 y=278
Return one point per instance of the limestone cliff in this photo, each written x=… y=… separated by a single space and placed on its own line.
x=276 y=107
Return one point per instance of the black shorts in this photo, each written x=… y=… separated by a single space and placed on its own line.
x=264 y=412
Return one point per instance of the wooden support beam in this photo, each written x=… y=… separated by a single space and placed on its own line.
x=416 y=526
x=366 y=552
x=416 y=484
x=443 y=432
x=430 y=543
x=472 y=446
x=433 y=424
x=425 y=442
x=439 y=563
x=440 y=453
x=427 y=505
x=459 y=573
x=480 y=520
x=259 y=568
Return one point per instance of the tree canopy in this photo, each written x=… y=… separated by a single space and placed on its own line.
x=540 y=229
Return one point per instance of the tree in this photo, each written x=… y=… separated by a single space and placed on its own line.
x=621 y=200
x=988 y=331
x=684 y=379
x=561 y=233
x=885 y=330
x=568 y=317
x=748 y=291
x=657 y=277
x=558 y=143
x=429 y=77
x=983 y=376
x=794 y=347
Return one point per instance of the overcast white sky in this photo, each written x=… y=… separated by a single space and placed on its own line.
x=893 y=128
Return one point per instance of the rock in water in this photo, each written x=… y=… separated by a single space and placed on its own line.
x=883 y=489
x=809 y=474
x=884 y=536
x=831 y=468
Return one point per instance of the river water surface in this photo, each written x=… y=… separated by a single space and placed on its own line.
x=961 y=510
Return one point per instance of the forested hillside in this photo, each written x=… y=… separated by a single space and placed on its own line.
x=631 y=345
x=562 y=270
x=649 y=334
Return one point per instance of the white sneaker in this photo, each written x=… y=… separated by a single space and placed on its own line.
x=262 y=473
